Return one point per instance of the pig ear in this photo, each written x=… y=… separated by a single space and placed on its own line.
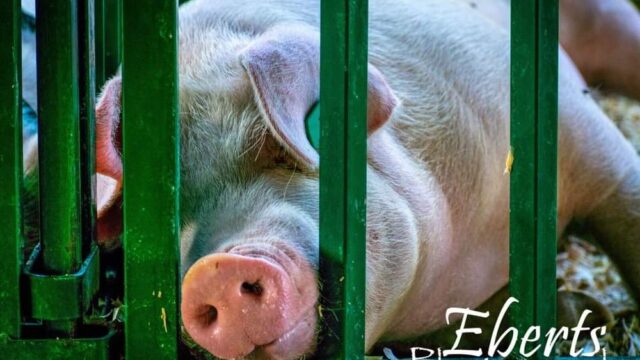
x=284 y=69
x=109 y=162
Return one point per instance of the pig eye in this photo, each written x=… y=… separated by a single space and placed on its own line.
x=283 y=160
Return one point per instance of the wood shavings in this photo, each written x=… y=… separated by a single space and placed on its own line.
x=625 y=113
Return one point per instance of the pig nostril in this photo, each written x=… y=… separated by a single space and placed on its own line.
x=252 y=288
x=210 y=315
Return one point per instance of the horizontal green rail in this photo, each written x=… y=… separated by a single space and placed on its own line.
x=10 y=167
x=533 y=193
x=97 y=348
x=150 y=116
x=343 y=154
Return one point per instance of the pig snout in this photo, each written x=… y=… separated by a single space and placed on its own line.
x=252 y=299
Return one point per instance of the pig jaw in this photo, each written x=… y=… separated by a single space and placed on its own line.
x=255 y=299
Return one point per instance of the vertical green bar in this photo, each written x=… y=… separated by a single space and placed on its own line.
x=59 y=135
x=59 y=141
x=522 y=230
x=87 y=91
x=112 y=25
x=547 y=166
x=356 y=165
x=343 y=100
x=10 y=167
x=151 y=178
x=534 y=127
x=99 y=42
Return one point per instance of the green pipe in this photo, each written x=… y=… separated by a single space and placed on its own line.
x=87 y=93
x=10 y=167
x=59 y=141
x=59 y=135
x=99 y=42
x=112 y=27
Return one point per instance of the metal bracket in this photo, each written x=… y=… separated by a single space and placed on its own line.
x=62 y=297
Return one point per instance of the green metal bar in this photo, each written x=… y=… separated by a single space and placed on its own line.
x=99 y=42
x=59 y=141
x=151 y=178
x=112 y=22
x=547 y=167
x=343 y=99
x=59 y=135
x=534 y=126
x=87 y=91
x=10 y=166
x=356 y=140
x=97 y=348
x=522 y=234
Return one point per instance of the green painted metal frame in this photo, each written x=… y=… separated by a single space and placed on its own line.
x=62 y=297
x=59 y=141
x=343 y=144
x=150 y=125
x=533 y=195
x=11 y=236
x=57 y=274
x=98 y=348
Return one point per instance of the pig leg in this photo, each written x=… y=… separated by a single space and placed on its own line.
x=616 y=223
x=599 y=178
x=602 y=37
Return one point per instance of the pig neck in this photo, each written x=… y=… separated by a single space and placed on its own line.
x=442 y=276
x=418 y=188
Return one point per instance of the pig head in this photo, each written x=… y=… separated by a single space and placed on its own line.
x=249 y=189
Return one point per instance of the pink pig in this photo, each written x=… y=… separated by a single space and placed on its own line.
x=437 y=206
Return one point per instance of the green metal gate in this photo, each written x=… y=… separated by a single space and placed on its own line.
x=48 y=297
x=45 y=300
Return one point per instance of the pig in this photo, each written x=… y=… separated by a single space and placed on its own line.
x=438 y=137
